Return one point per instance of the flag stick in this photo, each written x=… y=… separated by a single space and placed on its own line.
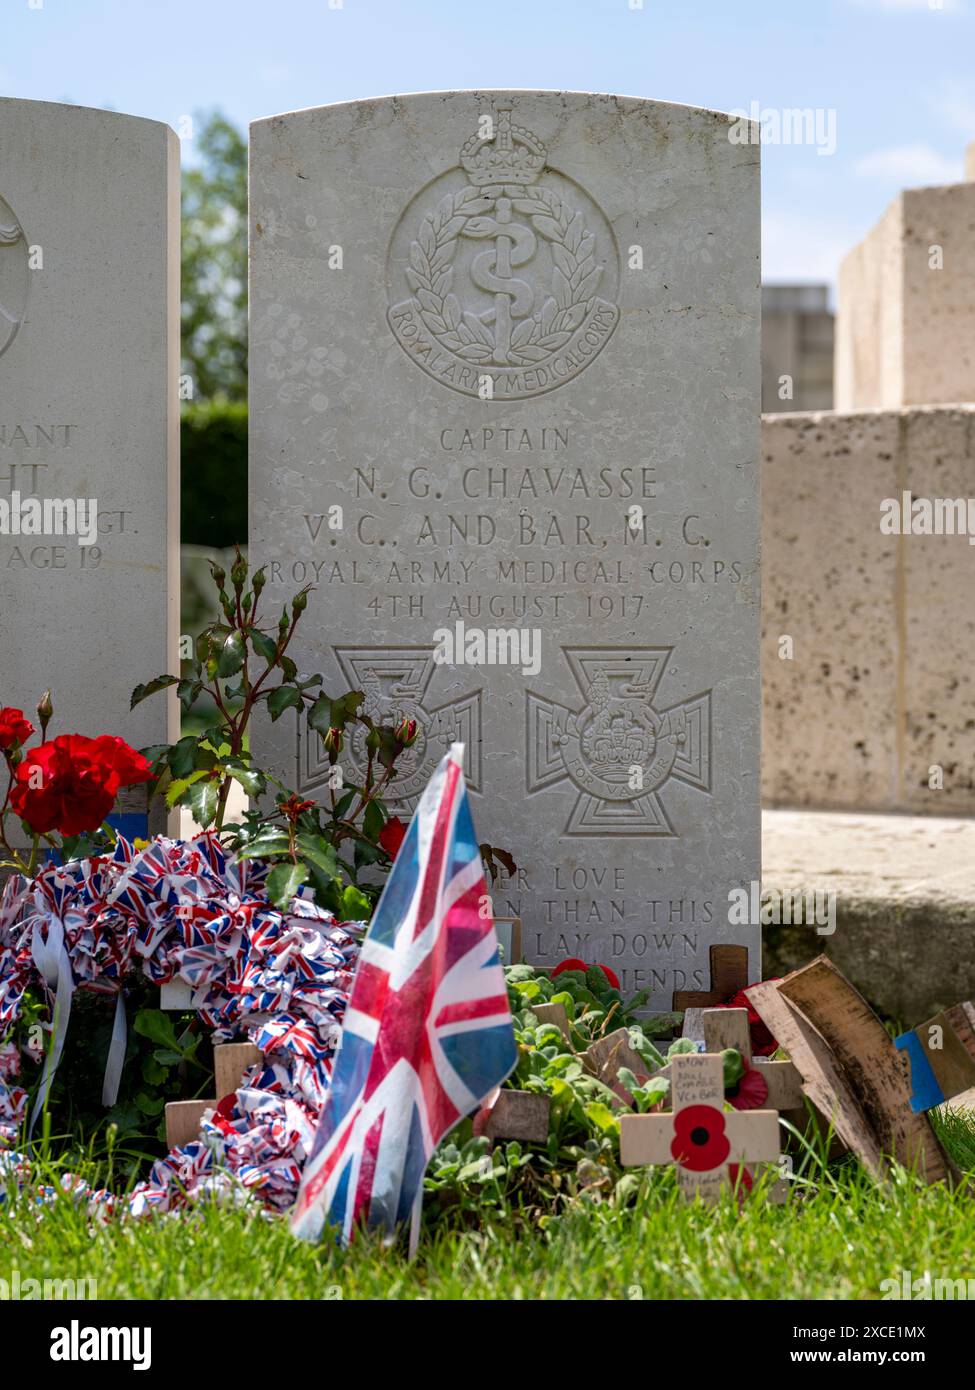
x=415 y=1222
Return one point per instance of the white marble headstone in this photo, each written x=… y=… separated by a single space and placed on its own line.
x=89 y=364
x=513 y=338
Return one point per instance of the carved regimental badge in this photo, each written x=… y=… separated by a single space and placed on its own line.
x=14 y=276
x=503 y=269
x=395 y=682
x=619 y=750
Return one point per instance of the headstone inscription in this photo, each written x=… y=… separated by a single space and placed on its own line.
x=89 y=428
x=504 y=416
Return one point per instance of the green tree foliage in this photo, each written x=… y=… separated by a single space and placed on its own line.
x=214 y=470
x=215 y=262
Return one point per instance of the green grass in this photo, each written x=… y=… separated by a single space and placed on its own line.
x=838 y=1238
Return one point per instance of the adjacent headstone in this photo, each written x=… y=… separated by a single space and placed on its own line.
x=504 y=415
x=89 y=399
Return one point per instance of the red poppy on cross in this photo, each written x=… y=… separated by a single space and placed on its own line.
x=704 y=1140
x=730 y=1028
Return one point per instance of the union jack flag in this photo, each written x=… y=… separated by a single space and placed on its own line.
x=427 y=1034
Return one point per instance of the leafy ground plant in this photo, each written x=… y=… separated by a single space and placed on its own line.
x=593 y=1004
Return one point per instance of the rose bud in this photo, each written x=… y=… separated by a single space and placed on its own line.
x=406 y=732
x=238 y=572
x=45 y=710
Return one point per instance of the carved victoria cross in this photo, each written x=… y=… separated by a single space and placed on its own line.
x=396 y=681
x=619 y=750
x=706 y=1142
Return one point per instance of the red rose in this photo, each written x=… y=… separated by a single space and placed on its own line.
x=574 y=963
x=14 y=728
x=71 y=783
x=131 y=767
x=392 y=836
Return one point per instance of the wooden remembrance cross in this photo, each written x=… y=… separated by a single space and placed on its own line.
x=729 y=974
x=706 y=1142
x=729 y=1028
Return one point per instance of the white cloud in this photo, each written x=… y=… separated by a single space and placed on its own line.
x=910 y=165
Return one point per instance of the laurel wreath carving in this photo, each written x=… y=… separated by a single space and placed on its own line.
x=575 y=277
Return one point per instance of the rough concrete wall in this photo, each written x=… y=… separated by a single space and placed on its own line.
x=905 y=321
x=879 y=686
x=868 y=369
x=939 y=305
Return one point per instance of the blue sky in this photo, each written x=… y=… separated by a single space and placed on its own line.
x=898 y=74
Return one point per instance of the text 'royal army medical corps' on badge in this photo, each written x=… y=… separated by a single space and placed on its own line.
x=503 y=269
